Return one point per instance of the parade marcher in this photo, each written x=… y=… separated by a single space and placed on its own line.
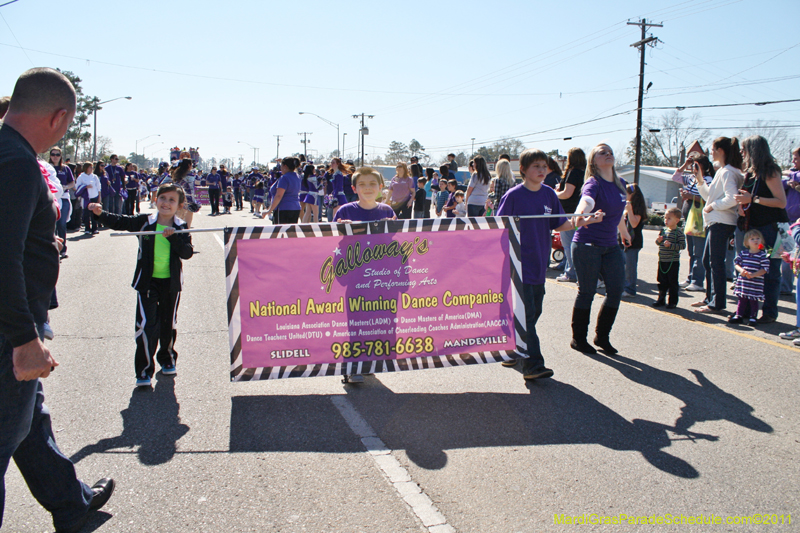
x=763 y=203
x=183 y=177
x=236 y=184
x=338 y=169
x=158 y=279
x=41 y=109
x=252 y=179
x=116 y=180
x=285 y=193
x=368 y=184
x=596 y=251
x=132 y=189
x=214 y=180
x=308 y=195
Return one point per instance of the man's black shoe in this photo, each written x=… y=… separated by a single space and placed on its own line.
x=101 y=492
x=764 y=319
x=539 y=373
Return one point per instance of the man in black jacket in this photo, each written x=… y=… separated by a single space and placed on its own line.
x=41 y=109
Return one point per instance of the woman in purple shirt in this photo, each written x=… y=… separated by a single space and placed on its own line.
x=595 y=250
x=286 y=200
x=402 y=189
x=67 y=180
x=337 y=171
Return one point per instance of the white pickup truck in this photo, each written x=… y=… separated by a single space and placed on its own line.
x=659 y=208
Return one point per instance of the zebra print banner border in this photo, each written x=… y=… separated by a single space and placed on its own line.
x=233 y=235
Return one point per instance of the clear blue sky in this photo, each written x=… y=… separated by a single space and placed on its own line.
x=210 y=74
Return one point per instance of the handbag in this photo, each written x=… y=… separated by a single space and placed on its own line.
x=694 y=220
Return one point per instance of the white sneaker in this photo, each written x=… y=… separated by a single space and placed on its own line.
x=355 y=378
x=694 y=288
x=563 y=278
x=48 y=332
x=626 y=294
x=790 y=335
x=796 y=342
x=683 y=284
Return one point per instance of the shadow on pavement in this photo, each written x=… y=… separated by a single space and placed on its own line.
x=151 y=422
x=703 y=401
x=427 y=425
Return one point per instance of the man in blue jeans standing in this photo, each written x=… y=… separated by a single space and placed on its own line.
x=42 y=107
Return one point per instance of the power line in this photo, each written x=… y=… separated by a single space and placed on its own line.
x=681 y=108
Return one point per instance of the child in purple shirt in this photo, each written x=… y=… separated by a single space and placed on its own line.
x=368 y=184
x=525 y=199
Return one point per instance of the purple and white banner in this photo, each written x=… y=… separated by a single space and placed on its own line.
x=330 y=299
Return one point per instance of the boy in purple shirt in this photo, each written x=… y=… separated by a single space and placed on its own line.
x=450 y=207
x=525 y=199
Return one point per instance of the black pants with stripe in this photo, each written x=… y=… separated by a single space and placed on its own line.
x=156 y=319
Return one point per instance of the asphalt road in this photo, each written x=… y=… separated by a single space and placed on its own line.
x=692 y=418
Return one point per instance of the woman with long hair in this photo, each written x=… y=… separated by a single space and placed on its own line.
x=64 y=174
x=596 y=251
x=337 y=171
x=763 y=202
x=719 y=217
x=478 y=188
x=500 y=185
x=696 y=168
x=308 y=195
x=635 y=216
x=401 y=190
x=568 y=191
x=181 y=176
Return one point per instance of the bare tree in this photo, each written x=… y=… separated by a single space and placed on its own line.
x=677 y=132
x=778 y=137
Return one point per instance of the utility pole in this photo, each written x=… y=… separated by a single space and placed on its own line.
x=278 y=149
x=305 y=142
x=362 y=132
x=640 y=46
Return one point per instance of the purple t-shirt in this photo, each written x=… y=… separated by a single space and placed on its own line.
x=535 y=240
x=213 y=181
x=355 y=212
x=290 y=183
x=451 y=201
x=611 y=200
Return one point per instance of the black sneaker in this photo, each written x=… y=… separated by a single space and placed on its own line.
x=509 y=364
x=766 y=319
x=539 y=373
x=658 y=303
x=735 y=319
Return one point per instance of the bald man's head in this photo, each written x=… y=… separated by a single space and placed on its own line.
x=42 y=91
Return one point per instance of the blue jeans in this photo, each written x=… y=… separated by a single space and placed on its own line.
x=532 y=297
x=772 y=279
x=61 y=225
x=590 y=263
x=27 y=436
x=631 y=269
x=566 y=242
x=697 y=273
x=787 y=278
x=717 y=238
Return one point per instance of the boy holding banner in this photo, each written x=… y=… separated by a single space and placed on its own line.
x=526 y=199
x=158 y=279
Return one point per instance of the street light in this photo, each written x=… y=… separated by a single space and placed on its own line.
x=255 y=159
x=148 y=146
x=335 y=125
x=345 y=135
x=473 y=146
x=136 y=149
x=94 y=110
